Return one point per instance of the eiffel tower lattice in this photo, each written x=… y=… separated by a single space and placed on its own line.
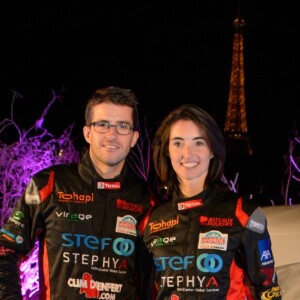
x=236 y=130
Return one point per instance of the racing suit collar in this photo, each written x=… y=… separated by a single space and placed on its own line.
x=186 y=204
x=89 y=174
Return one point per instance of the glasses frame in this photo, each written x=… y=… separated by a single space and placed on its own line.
x=109 y=125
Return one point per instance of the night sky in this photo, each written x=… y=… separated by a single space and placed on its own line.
x=168 y=54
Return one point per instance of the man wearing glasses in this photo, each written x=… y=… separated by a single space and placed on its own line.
x=85 y=215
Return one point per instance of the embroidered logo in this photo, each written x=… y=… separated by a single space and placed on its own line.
x=189 y=204
x=103 y=185
x=213 y=240
x=75 y=198
x=123 y=204
x=163 y=225
x=216 y=222
x=127 y=225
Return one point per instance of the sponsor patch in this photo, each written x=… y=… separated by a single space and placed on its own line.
x=18 y=215
x=163 y=241
x=213 y=240
x=215 y=222
x=104 y=185
x=95 y=289
x=32 y=195
x=126 y=225
x=257 y=221
x=189 y=204
x=264 y=247
x=273 y=293
x=75 y=198
x=11 y=237
x=123 y=204
x=163 y=224
x=16 y=218
x=73 y=217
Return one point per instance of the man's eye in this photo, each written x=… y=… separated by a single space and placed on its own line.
x=123 y=125
x=103 y=124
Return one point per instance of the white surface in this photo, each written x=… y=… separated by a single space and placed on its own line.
x=288 y=278
x=284 y=228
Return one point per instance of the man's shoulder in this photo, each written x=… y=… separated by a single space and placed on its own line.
x=56 y=170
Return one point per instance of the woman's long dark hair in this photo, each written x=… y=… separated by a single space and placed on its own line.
x=160 y=147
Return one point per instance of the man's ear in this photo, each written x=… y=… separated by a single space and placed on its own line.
x=135 y=138
x=87 y=133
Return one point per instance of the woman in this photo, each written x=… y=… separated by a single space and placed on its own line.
x=207 y=242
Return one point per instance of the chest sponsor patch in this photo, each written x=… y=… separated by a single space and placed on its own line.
x=163 y=225
x=189 y=204
x=95 y=289
x=215 y=222
x=125 y=205
x=213 y=240
x=103 y=185
x=126 y=225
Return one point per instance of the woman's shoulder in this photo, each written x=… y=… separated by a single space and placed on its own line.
x=161 y=210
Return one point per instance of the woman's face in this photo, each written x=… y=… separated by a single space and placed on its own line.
x=189 y=151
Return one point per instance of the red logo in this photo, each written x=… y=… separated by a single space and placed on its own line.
x=189 y=204
x=90 y=289
x=4 y=251
x=123 y=204
x=216 y=221
x=103 y=185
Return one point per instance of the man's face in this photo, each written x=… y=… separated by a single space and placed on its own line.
x=108 y=150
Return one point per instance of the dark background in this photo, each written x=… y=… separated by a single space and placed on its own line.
x=168 y=53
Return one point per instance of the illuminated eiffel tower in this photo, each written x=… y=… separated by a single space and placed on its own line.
x=236 y=130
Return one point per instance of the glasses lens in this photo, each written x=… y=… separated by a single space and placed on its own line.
x=103 y=127
x=123 y=128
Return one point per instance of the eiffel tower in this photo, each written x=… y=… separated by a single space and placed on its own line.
x=239 y=152
x=236 y=129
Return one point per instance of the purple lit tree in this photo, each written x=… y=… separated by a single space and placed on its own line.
x=35 y=149
x=292 y=160
x=139 y=157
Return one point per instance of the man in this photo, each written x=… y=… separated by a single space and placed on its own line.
x=84 y=215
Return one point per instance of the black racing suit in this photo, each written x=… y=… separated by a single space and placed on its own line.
x=87 y=230
x=214 y=246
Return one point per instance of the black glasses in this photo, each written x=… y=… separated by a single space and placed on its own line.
x=103 y=127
